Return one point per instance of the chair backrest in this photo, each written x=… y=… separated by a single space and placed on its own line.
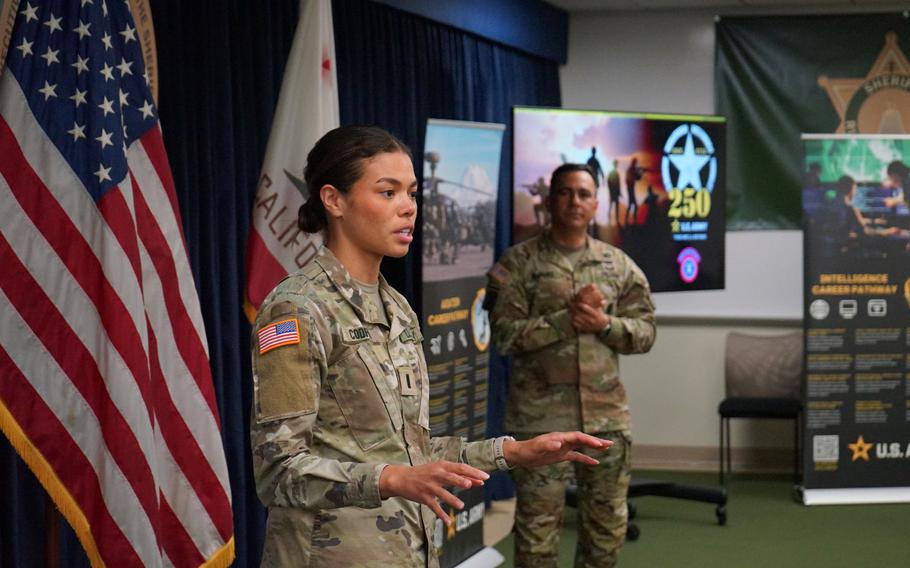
x=764 y=366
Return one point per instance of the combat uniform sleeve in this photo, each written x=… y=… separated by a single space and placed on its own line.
x=632 y=327
x=456 y=449
x=287 y=374
x=514 y=330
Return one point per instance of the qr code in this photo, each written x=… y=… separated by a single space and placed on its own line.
x=824 y=448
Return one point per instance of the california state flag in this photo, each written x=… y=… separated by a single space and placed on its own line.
x=307 y=109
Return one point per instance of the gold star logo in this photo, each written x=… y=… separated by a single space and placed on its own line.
x=450 y=530
x=860 y=449
x=879 y=102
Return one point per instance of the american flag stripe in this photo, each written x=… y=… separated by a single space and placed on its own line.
x=189 y=345
x=179 y=545
x=147 y=163
x=188 y=452
x=61 y=457
x=80 y=210
x=79 y=369
x=183 y=394
x=117 y=496
x=107 y=327
x=69 y=298
x=118 y=212
x=52 y=222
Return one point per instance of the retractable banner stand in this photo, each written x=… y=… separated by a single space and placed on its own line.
x=460 y=182
x=857 y=318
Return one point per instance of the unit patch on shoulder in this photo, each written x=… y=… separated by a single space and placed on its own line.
x=285 y=332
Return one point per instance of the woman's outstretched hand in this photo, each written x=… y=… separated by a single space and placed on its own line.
x=425 y=483
x=552 y=448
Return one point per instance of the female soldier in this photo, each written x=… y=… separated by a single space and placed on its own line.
x=340 y=429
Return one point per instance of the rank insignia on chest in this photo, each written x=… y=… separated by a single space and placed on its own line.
x=278 y=334
x=408 y=335
x=408 y=381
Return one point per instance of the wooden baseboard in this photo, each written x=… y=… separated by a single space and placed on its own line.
x=705 y=458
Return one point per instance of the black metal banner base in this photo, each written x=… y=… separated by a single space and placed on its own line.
x=657 y=488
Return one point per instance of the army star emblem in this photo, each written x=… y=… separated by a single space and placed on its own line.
x=860 y=449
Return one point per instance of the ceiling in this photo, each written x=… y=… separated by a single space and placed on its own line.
x=726 y=5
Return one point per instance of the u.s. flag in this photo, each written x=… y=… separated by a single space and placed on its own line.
x=105 y=386
x=281 y=333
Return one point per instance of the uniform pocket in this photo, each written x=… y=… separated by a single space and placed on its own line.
x=358 y=384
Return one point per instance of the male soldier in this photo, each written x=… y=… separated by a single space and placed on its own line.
x=614 y=188
x=565 y=305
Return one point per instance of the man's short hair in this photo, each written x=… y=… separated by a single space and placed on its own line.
x=567 y=169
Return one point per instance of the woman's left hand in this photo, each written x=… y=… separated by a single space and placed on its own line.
x=552 y=448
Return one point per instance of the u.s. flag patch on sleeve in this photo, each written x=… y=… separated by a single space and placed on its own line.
x=280 y=333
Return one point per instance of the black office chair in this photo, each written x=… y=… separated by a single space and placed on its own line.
x=763 y=378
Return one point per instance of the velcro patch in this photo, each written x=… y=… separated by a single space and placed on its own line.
x=408 y=335
x=285 y=332
x=355 y=334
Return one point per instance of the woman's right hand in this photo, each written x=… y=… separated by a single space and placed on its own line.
x=426 y=483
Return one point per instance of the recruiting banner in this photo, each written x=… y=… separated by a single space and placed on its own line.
x=661 y=186
x=460 y=179
x=857 y=322
x=776 y=77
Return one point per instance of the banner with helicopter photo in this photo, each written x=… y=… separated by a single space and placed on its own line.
x=460 y=184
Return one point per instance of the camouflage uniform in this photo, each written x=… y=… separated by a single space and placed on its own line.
x=564 y=380
x=330 y=411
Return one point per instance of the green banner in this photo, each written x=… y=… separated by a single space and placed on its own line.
x=778 y=77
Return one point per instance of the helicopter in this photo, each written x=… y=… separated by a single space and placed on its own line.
x=447 y=225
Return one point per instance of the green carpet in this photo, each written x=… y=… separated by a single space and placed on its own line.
x=765 y=528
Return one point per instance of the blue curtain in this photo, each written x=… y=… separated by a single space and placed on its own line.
x=397 y=70
x=221 y=65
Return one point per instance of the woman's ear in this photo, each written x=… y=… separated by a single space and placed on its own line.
x=332 y=200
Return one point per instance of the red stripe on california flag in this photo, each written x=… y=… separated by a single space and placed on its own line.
x=267 y=272
x=49 y=325
x=80 y=259
x=189 y=344
x=54 y=442
x=186 y=452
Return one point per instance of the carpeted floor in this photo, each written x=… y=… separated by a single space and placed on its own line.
x=765 y=528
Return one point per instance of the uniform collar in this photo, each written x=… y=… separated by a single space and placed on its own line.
x=350 y=291
x=594 y=250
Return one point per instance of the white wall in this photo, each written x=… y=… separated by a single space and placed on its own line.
x=663 y=62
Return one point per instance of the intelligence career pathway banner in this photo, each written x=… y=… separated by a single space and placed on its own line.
x=460 y=182
x=857 y=320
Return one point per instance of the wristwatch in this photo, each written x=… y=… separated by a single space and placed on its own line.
x=606 y=331
x=498 y=457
